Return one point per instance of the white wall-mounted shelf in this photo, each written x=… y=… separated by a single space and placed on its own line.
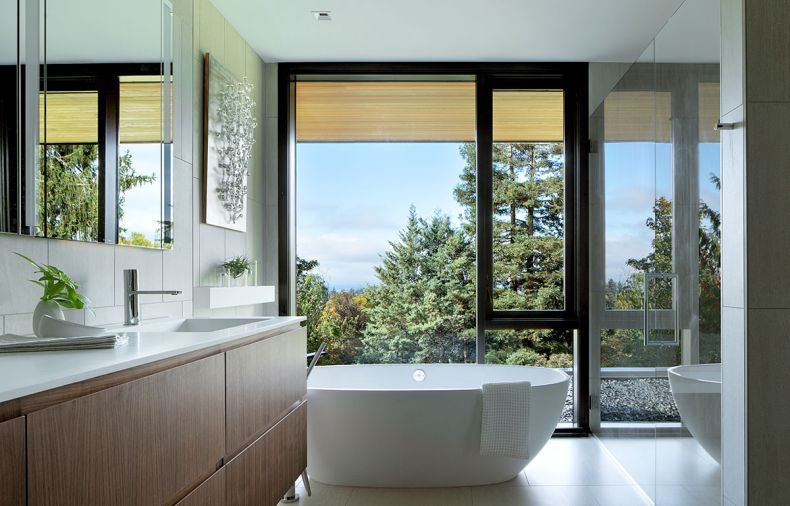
x=214 y=297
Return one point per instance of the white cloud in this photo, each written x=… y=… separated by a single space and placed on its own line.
x=346 y=256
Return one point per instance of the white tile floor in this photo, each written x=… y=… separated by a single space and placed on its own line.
x=567 y=472
x=674 y=471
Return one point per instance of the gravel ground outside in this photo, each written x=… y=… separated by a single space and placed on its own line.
x=631 y=400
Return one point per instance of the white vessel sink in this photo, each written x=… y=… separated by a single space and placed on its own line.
x=196 y=325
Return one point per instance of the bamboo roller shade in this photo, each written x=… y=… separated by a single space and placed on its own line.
x=644 y=116
x=73 y=117
x=445 y=112
x=420 y=112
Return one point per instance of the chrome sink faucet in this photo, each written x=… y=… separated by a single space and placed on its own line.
x=131 y=299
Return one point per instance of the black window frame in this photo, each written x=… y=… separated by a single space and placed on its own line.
x=572 y=79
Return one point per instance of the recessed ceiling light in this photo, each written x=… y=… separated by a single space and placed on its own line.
x=322 y=15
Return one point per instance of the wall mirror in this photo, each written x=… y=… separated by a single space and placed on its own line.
x=86 y=134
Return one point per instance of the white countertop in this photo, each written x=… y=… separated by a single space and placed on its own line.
x=28 y=373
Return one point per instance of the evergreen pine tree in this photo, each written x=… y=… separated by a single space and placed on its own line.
x=423 y=308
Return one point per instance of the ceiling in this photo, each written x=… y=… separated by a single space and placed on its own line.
x=450 y=30
x=396 y=30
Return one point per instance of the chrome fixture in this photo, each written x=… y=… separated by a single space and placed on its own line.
x=291 y=496
x=131 y=299
x=674 y=311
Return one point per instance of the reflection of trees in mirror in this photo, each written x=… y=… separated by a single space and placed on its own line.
x=69 y=185
x=624 y=347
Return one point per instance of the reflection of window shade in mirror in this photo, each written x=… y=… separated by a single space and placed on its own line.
x=637 y=116
x=141 y=109
x=708 y=111
x=72 y=117
x=644 y=116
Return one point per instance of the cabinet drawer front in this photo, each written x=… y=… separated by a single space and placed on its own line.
x=210 y=493
x=144 y=442
x=264 y=380
x=12 y=462
x=263 y=473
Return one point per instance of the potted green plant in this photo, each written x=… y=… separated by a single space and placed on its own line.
x=237 y=266
x=60 y=291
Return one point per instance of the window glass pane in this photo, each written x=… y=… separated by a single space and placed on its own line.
x=535 y=347
x=528 y=200
x=385 y=178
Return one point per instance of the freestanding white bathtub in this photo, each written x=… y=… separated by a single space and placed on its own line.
x=417 y=425
x=697 y=393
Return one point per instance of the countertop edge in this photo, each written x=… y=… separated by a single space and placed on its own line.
x=16 y=394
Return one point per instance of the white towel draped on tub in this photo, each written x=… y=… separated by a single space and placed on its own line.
x=505 y=429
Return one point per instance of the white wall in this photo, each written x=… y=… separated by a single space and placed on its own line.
x=198 y=27
x=213 y=34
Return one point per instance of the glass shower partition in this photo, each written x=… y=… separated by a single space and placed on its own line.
x=655 y=267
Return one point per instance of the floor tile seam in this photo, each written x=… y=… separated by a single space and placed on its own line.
x=619 y=466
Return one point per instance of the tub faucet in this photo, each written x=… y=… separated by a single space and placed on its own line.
x=131 y=297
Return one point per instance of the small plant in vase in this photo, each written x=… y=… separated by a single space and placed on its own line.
x=60 y=292
x=237 y=267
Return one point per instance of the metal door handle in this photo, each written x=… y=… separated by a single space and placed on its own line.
x=661 y=275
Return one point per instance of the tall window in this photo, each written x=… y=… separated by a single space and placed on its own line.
x=385 y=228
x=439 y=218
x=528 y=201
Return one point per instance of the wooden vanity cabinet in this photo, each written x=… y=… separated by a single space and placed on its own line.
x=264 y=381
x=211 y=492
x=12 y=462
x=222 y=426
x=149 y=441
x=264 y=471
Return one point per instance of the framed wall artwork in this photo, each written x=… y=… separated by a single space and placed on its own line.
x=228 y=136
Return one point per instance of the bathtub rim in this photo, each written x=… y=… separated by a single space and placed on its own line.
x=678 y=371
x=562 y=377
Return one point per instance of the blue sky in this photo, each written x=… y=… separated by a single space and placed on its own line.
x=143 y=203
x=353 y=198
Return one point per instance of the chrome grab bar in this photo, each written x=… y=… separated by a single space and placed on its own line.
x=676 y=328
x=316 y=357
